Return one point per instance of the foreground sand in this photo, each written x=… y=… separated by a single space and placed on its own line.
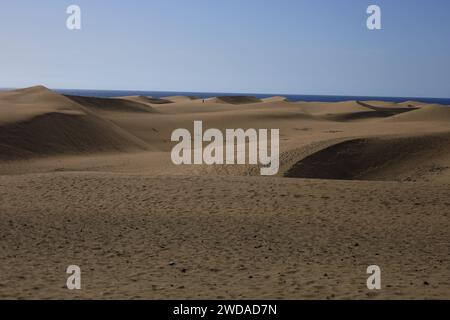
x=89 y=182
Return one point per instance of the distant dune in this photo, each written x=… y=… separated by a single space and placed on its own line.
x=236 y=99
x=146 y=100
x=410 y=103
x=37 y=122
x=321 y=108
x=180 y=98
x=389 y=109
x=433 y=112
x=112 y=104
x=275 y=99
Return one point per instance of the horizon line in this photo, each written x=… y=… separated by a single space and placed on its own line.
x=228 y=93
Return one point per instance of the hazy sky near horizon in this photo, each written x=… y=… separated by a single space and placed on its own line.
x=253 y=46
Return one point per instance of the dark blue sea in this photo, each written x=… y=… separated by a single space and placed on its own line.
x=291 y=97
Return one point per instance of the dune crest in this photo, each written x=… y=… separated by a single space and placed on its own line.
x=24 y=104
x=431 y=112
x=37 y=122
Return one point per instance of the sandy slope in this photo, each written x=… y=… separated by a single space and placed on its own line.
x=430 y=113
x=38 y=122
x=230 y=237
x=24 y=104
x=90 y=182
x=146 y=100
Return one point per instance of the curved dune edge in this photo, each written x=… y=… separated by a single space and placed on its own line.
x=406 y=158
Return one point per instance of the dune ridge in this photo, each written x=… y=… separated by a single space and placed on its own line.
x=146 y=100
x=74 y=124
x=24 y=104
x=432 y=112
x=41 y=123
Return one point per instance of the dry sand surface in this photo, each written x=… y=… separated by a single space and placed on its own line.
x=90 y=182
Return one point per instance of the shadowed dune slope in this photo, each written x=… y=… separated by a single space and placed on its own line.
x=237 y=99
x=328 y=108
x=389 y=109
x=41 y=122
x=112 y=104
x=368 y=111
x=145 y=100
x=58 y=133
x=338 y=111
x=383 y=158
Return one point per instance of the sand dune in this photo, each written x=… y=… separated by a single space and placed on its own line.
x=137 y=122
x=388 y=158
x=180 y=98
x=374 y=110
x=353 y=110
x=410 y=103
x=332 y=108
x=378 y=103
x=37 y=122
x=24 y=104
x=112 y=104
x=235 y=99
x=389 y=109
x=275 y=99
x=59 y=133
x=90 y=181
x=430 y=113
x=146 y=100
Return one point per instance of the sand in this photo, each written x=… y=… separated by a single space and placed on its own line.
x=90 y=182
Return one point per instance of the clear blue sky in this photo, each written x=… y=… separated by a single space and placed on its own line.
x=258 y=46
